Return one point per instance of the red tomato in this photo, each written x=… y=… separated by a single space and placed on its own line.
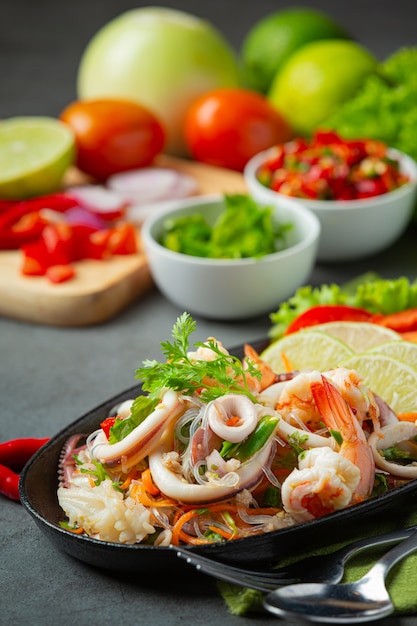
x=113 y=135
x=324 y=313
x=228 y=126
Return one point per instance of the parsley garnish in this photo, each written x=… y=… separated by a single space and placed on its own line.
x=211 y=379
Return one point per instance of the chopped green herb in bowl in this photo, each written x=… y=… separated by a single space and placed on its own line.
x=244 y=229
x=229 y=257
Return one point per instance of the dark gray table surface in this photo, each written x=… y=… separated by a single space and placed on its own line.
x=50 y=376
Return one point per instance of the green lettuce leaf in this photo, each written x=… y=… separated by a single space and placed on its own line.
x=385 y=107
x=369 y=291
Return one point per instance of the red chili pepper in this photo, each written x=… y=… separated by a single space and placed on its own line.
x=9 y=483
x=123 y=239
x=107 y=424
x=17 y=452
x=27 y=228
x=58 y=202
x=21 y=222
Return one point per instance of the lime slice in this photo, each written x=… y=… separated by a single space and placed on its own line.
x=404 y=351
x=391 y=379
x=35 y=152
x=360 y=336
x=306 y=350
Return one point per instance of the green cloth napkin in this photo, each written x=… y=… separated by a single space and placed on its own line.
x=401 y=581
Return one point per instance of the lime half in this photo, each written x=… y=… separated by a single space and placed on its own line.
x=306 y=350
x=35 y=152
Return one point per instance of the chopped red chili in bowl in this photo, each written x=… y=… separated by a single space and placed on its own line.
x=332 y=168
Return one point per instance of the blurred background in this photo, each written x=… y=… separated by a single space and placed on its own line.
x=42 y=41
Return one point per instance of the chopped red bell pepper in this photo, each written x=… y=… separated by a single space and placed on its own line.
x=50 y=247
x=323 y=313
x=86 y=243
x=60 y=273
x=123 y=239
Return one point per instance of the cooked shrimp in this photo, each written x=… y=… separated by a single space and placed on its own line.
x=268 y=376
x=205 y=353
x=294 y=399
x=324 y=482
x=339 y=417
x=327 y=480
x=359 y=397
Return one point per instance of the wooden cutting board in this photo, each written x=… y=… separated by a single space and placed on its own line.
x=101 y=289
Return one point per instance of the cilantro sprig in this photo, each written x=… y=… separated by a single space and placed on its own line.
x=212 y=379
x=225 y=374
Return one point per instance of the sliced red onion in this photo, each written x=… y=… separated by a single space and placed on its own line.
x=79 y=215
x=101 y=201
x=151 y=185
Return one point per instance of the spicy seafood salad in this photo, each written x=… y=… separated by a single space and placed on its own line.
x=219 y=448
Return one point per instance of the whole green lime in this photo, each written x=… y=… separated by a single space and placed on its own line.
x=317 y=79
x=273 y=39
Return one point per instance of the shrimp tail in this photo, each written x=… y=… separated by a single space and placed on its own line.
x=339 y=417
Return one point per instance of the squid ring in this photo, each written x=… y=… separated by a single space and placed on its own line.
x=173 y=486
x=388 y=436
x=141 y=441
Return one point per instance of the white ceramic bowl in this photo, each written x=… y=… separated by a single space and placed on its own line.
x=350 y=229
x=232 y=289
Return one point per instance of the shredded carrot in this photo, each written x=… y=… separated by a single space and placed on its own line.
x=132 y=474
x=187 y=513
x=408 y=416
x=233 y=421
x=223 y=533
x=91 y=481
x=195 y=541
x=148 y=483
x=287 y=363
x=177 y=528
x=140 y=494
x=76 y=531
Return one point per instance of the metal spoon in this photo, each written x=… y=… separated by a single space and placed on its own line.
x=361 y=601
